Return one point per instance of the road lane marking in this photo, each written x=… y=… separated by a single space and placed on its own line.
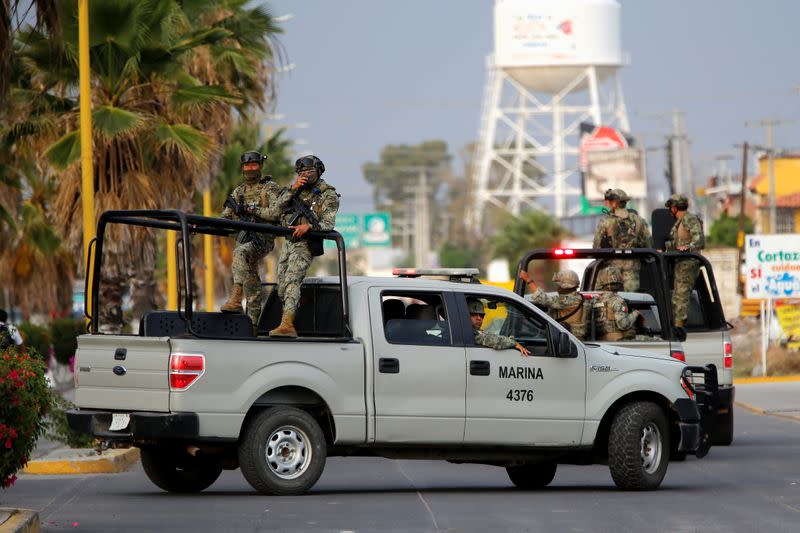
x=759 y=411
x=422 y=499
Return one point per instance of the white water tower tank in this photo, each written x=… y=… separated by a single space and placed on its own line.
x=546 y=44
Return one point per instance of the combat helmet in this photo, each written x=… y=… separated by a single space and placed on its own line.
x=309 y=161
x=475 y=306
x=609 y=278
x=252 y=157
x=679 y=201
x=622 y=195
x=566 y=279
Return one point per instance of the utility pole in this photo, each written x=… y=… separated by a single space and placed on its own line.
x=678 y=138
x=770 y=124
x=740 y=235
x=421 y=225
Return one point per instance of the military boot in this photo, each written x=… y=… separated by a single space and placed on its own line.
x=234 y=303
x=286 y=327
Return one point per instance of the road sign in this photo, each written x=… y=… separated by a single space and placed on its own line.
x=773 y=265
x=377 y=230
x=349 y=226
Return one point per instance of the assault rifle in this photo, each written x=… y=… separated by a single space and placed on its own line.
x=297 y=209
x=242 y=210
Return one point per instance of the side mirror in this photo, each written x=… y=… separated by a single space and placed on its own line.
x=679 y=333
x=566 y=348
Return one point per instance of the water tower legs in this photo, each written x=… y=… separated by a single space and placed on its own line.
x=527 y=154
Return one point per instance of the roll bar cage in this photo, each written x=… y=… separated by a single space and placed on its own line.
x=187 y=224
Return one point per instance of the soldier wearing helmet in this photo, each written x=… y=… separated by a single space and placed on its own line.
x=322 y=200
x=567 y=306
x=490 y=340
x=686 y=236
x=254 y=200
x=623 y=228
x=613 y=320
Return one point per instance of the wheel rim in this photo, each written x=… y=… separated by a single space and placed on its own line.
x=651 y=448
x=288 y=452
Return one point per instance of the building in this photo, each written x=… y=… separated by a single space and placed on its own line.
x=787 y=194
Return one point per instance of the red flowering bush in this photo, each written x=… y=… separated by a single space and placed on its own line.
x=24 y=400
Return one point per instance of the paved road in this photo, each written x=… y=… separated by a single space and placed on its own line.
x=751 y=486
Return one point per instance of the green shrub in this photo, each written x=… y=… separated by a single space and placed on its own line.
x=58 y=429
x=36 y=338
x=26 y=400
x=64 y=332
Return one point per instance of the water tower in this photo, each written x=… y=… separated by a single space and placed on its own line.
x=554 y=66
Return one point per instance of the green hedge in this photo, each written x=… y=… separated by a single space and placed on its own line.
x=64 y=332
x=36 y=337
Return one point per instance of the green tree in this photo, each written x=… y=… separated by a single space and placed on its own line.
x=530 y=230
x=725 y=230
x=164 y=94
x=453 y=255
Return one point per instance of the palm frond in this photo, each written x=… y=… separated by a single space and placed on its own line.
x=112 y=121
x=183 y=141
x=65 y=151
x=201 y=98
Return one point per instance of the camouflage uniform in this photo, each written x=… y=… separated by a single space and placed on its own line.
x=687 y=231
x=296 y=256
x=624 y=229
x=613 y=320
x=251 y=247
x=567 y=308
x=492 y=340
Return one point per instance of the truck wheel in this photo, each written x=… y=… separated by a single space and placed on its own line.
x=282 y=452
x=723 y=430
x=638 y=446
x=532 y=476
x=177 y=471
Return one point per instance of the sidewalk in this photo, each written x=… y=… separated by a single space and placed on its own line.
x=776 y=398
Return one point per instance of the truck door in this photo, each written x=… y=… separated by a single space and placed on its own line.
x=418 y=372
x=535 y=400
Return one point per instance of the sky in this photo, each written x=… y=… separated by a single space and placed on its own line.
x=370 y=73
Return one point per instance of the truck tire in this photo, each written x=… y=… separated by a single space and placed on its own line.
x=282 y=452
x=528 y=477
x=177 y=471
x=638 y=446
x=723 y=429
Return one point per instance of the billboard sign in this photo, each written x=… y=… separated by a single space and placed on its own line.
x=622 y=168
x=772 y=264
x=377 y=230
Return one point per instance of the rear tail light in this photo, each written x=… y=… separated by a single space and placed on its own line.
x=563 y=251
x=728 y=348
x=678 y=354
x=184 y=370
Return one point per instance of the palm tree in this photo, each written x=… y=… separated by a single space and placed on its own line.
x=157 y=118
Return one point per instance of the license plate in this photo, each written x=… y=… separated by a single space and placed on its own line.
x=119 y=421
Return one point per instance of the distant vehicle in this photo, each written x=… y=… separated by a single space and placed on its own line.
x=705 y=338
x=382 y=367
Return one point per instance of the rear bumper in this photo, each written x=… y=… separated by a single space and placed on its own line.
x=143 y=425
x=688 y=424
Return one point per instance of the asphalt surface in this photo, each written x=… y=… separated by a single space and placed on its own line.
x=753 y=485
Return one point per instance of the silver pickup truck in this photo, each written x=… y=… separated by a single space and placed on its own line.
x=382 y=367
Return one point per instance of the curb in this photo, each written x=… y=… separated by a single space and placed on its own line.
x=762 y=412
x=18 y=521
x=767 y=379
x=111 y=462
